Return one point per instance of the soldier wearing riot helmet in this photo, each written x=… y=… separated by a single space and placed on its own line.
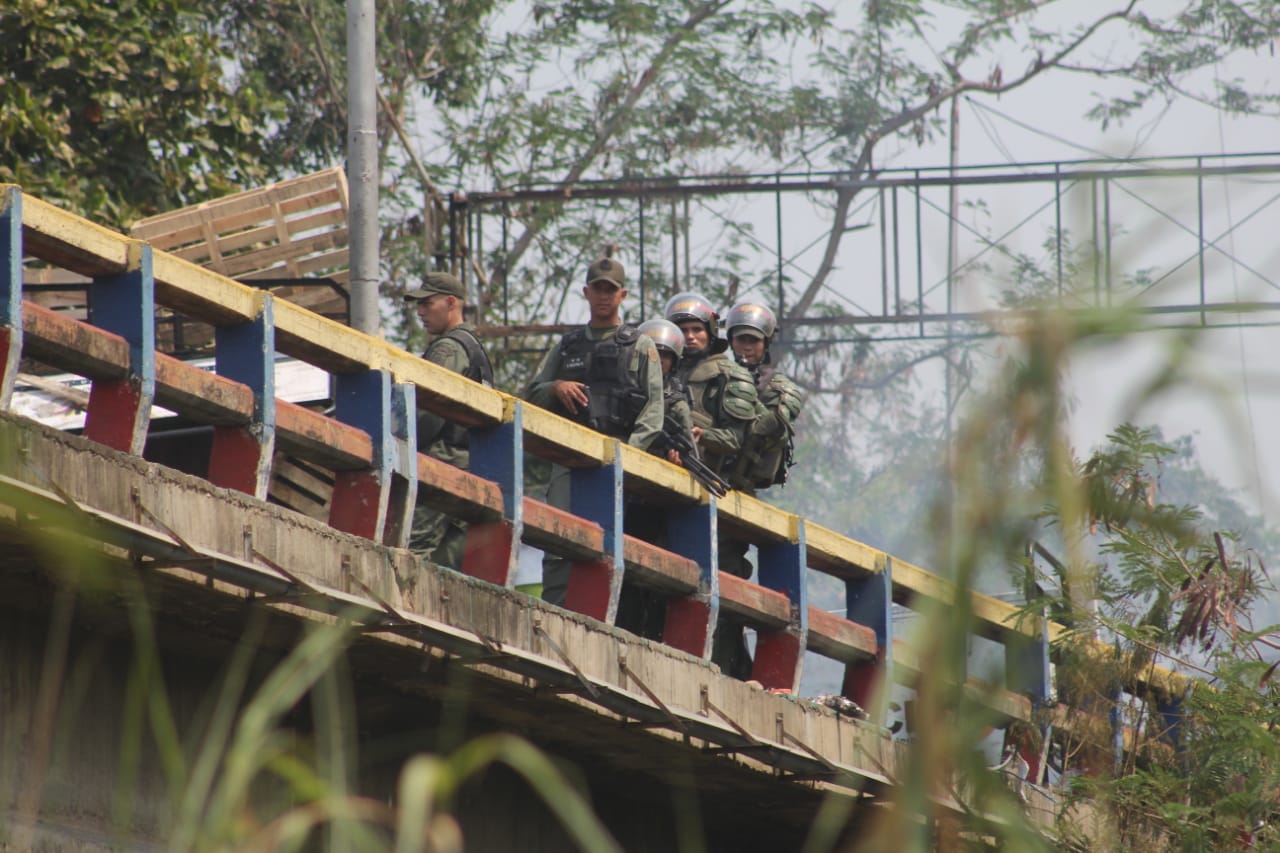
x=767 y=452
x=721 y=392
x=725 y=405
x=669 y=341
x=605 y=375
x=639 y=610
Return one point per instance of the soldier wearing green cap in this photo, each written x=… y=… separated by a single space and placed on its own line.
x=436 y=536
x=605 y=375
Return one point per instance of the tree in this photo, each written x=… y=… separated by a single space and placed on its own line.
x=118 y=113
x=1203 y=769
x=122 y=111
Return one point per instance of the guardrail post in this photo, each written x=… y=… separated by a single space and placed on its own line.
x=780 y=654
x=869 y=601
x=120 y=409
x=596 y=495
x=1027 y=670
x=1171 y=716
x=10 y=290
x=691 y=621
x=363 y=501
x=241 y=455
x=404 y=477
x=1026 y=663
x=492 y=551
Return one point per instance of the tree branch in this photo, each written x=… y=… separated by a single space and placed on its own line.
x=615 y=121
x=994 y=85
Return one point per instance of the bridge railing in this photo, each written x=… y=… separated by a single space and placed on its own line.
x=369 y=443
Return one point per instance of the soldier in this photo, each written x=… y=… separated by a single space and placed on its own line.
x=640 y=611
x=722 y=394
x=435 y=535
x=669 y=341
x=767 y=453
x=605 y=375
x=725 y=405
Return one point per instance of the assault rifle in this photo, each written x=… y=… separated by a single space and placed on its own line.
x=674 y=438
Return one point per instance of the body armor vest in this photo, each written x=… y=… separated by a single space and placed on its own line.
x=478 y=370
x=604 y=366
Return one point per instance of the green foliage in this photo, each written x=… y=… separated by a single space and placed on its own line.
x=122 y=111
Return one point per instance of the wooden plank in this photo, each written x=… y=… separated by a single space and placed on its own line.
x=327 y=344
x=72 y=242
x=647 y=475
x=447 y=393
x=838 y=638
x=73 y=346
x=757 y=606
x=202 y=294
x=310 y=478
x=561 y=532
x=286 y=493
x=756 y=520
x=277 y=254
x=231 y=245
x=450 y=489
x=660 y=569
x=201 y=395
x=835 y=554
x=312 y=436
x=561 y=440
x=337 y=261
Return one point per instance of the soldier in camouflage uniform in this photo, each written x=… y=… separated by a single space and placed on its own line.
x=605 y=375
x=766 y=454
x=722 y=393
x=639 y=610
x=436 y=536
x=725 y=405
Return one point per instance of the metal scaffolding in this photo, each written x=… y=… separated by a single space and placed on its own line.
x=1179 y=239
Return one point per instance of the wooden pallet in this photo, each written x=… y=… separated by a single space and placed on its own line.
x=294 y=229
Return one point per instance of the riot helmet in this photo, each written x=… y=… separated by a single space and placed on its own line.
x=666 y=335
x=751 y=317
x=684 y=307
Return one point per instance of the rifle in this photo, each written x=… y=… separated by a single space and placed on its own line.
x=673 y=438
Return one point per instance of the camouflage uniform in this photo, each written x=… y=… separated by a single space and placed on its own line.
x=437 y=536
x=764 y=458
x=723 y=401
x=647 y=374
x=639 y=610
x=725 y=404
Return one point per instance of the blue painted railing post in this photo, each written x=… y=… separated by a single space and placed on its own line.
x=492 y=552
x=1027 y=670
x=120 y=409
x=363 y=500
x=241 y=455
x=404 y=466
x=10 y=290
x=596 y=495
x=1172 y=714
x=691 y=621
x=780 y=654
x=870 y=603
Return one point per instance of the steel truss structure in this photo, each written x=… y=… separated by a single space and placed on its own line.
x=1182 y=240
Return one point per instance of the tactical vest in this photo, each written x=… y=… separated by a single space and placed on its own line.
x=604 y=366
x=714 y=401
x=769 y=449
x=478 y=370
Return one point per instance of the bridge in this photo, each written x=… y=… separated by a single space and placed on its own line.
x=129 y=585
